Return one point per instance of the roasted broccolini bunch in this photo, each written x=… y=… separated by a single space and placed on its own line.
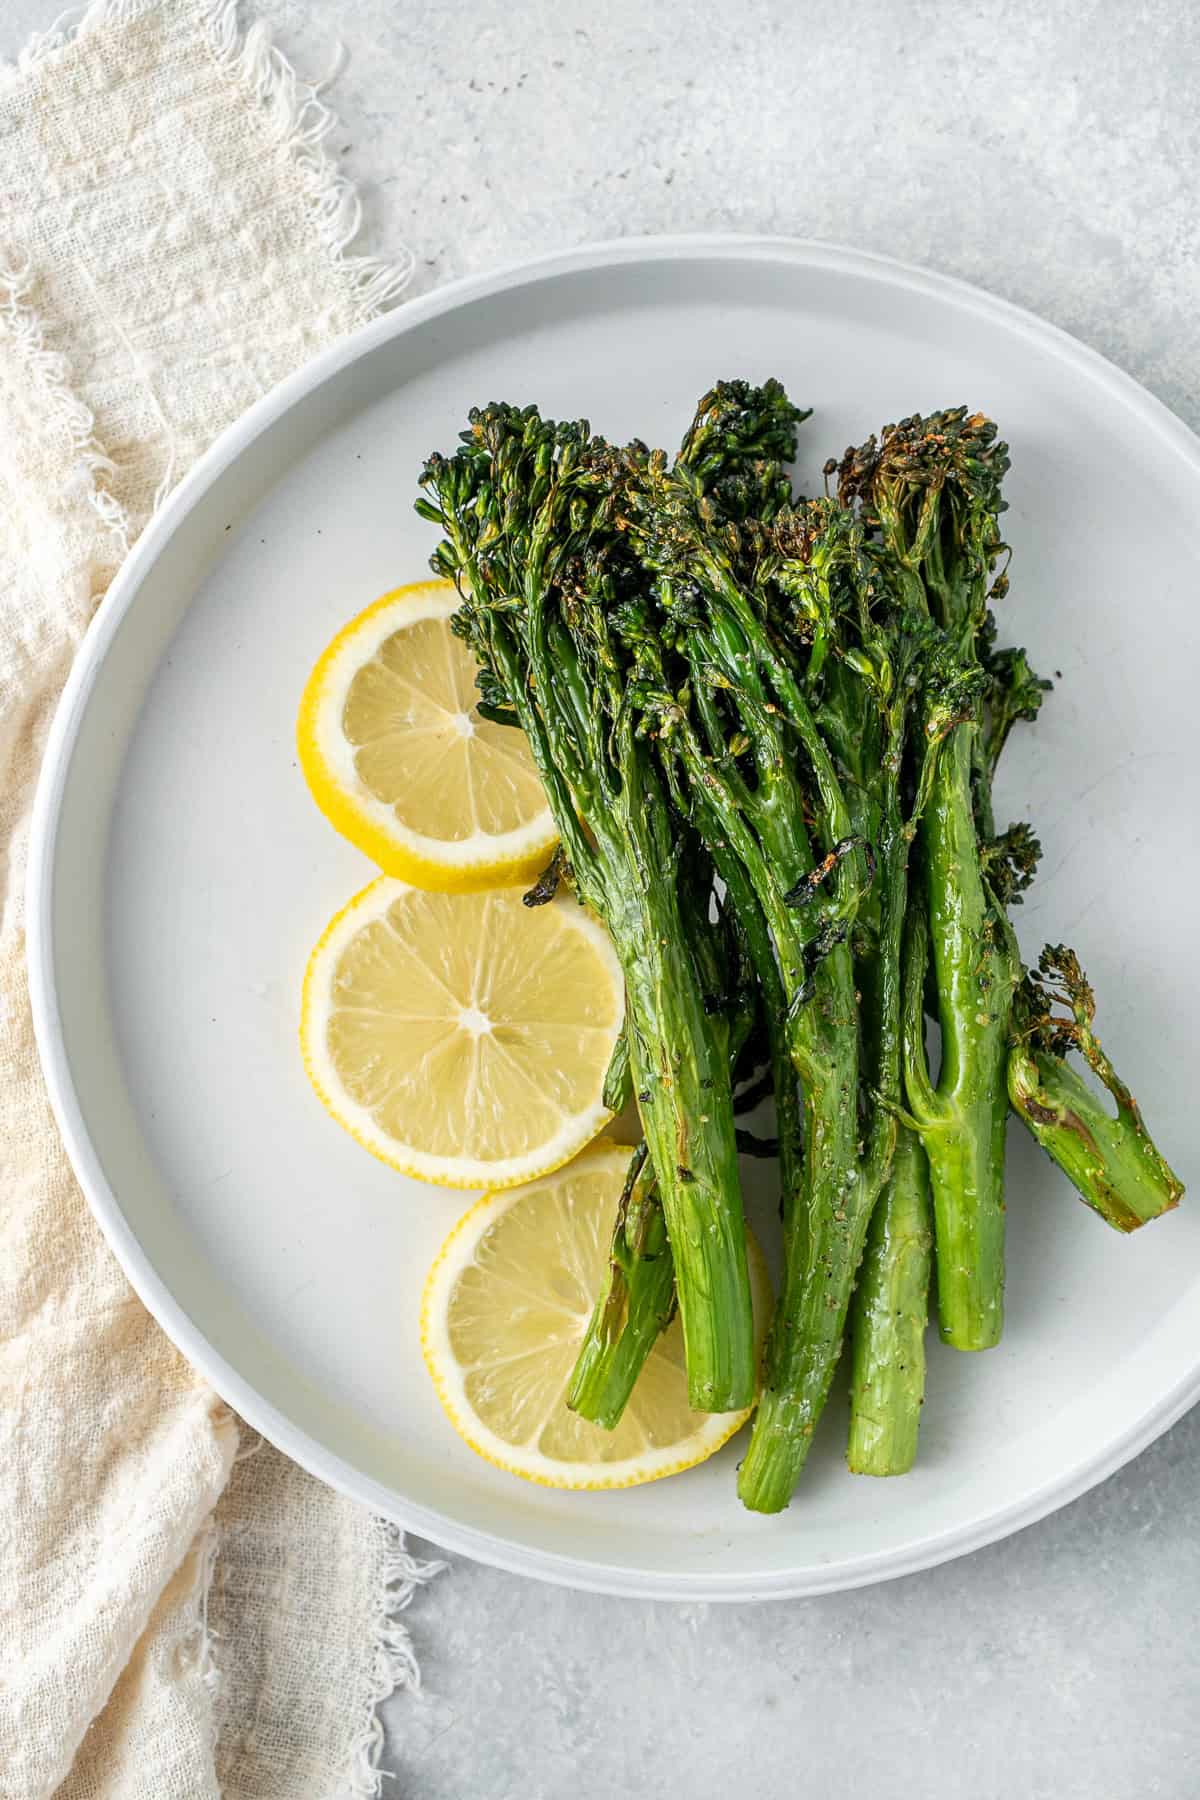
x=769 y=727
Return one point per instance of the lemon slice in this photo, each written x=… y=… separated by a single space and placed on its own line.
x=506 y=1305
x=399 y=760
x=463 y=1038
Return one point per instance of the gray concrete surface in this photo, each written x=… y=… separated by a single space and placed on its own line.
x=1049 y=151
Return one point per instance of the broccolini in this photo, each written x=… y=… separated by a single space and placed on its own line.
x=768 y=727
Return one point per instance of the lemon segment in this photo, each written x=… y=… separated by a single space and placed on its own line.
x=463 y=1038
x=505 y=1308
x=400 y=761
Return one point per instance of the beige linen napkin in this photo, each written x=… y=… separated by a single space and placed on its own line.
x=172 y=242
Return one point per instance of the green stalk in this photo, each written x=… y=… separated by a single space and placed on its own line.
x=891 y=1299
x=1112 y=1162
x=962 y=1121
x=825 y=1224
x=840 y=1182
x=636 y=1302
x=618 y=1078
x=824 y=1247
x=789 y=1113
x=680 y=1064
x=680 y=1067
x=834 y=1191
x=1110 y=1158
x=637 y=1299
x=891 y=1307
x=932 y=488
x=633 y=1307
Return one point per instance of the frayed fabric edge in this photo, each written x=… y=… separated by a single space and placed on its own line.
x=298 y=118
x=21 y=324
x=72 y=23
x=395 y=1665
x=299 y=121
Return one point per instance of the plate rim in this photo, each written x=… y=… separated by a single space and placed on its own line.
x=150 y=1286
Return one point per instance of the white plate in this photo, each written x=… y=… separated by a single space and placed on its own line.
x=181 y=873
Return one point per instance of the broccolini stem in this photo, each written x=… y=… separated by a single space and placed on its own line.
x=618 y=1079
x=682 y=1083
x=838 y=1189
x=824 y=1242
x=679 y=1069
x=637 y=1301
x=891 y=1299
x=789 y=1112
x=933 y=488
x=634 y=1305
x=1111 y=1159
x=827 y=1203
x=891 y=1306
x=681 y=1078
x=722 y=814
x=962 y=1123
x=1112 y=1162
x=638 y=1297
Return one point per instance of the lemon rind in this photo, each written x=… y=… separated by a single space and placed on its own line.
x=448 y=866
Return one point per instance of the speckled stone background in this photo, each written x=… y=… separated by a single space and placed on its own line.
x=1049 y=150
